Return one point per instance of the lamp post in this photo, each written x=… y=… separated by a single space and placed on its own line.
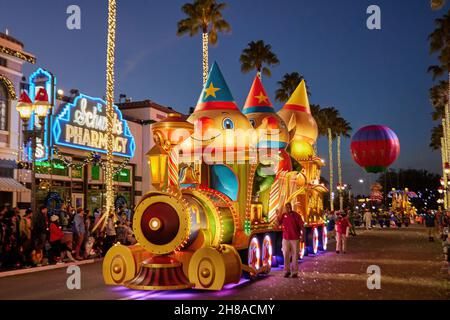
x=26 y=110
x=341 y=188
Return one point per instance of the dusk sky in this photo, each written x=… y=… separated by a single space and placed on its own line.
x=371 y=76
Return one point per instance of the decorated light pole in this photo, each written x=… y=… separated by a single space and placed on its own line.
x=26 y=110
x=109 y=104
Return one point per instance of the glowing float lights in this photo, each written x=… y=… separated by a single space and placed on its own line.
x=324 y=238
x=315 y=240
x=267 y=251
x=254 y=254
x=302 y=250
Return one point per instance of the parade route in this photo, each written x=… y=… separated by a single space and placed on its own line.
x=411 y=268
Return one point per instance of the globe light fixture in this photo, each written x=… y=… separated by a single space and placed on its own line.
x=25 y=107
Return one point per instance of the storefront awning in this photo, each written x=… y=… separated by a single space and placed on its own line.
x=11 y=185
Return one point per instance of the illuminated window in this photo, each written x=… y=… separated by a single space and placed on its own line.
x=95 y=172
x=123 y=176
x=4 y=103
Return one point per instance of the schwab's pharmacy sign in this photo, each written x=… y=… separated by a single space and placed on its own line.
x=82 y=125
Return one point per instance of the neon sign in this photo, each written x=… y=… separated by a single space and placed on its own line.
x=41 y=79
x=83 y=123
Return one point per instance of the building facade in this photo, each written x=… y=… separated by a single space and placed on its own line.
x=76 y=136
x=12 y=59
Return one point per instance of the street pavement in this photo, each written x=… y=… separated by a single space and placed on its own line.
x=410 y=269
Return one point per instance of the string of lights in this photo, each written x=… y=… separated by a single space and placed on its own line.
x=111 y=44
x=92 y=158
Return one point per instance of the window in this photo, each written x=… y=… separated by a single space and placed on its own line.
x=123 y=176
x=4 y=104
x=2 y=62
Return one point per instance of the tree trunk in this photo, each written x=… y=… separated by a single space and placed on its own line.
x=330 y=155
x=205 y=56
x=341 y=195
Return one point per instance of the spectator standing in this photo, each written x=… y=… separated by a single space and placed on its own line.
x=110 y=231
x=342 y=230
x=79 y=231
x=430 y=225
x=368 y=219
x=25 y=237
x=39 y=230
x=331 y=224
x=64 y=217
x=292 y=226
x=129 y=235
x=59 y=248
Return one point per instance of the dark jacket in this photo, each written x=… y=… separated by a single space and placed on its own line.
x=429 y=220
x=39 y=225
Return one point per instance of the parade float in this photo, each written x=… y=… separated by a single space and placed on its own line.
x=401 y=202
x=219 y=178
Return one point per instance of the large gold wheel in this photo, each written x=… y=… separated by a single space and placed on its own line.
x=161 y=223
x=121 y=263
x=211 y=268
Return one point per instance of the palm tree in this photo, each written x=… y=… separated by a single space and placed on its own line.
x=342 y=128
x=329 y=118
x=437 y=4
x=255 y=55
x=439 y=99
x=440 y=43
x=436 y=135
x=204 y=16
x=288 y=85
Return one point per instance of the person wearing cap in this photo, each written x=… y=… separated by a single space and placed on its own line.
x=58 y=248
x=342 y=230
x=79 y=231
x=292 y=226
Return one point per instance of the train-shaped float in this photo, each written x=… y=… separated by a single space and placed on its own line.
x=219 y=178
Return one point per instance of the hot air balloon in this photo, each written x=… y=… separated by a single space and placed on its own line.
x=375 y=148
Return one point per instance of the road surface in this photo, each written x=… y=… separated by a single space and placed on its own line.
x=410 y=269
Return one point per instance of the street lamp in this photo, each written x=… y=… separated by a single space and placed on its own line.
x=26 y=110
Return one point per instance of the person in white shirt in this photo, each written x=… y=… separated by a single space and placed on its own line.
x=368 y=219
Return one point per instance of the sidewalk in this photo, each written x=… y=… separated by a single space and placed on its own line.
x=16 y=272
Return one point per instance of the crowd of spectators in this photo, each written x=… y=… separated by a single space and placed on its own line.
x=29 y=239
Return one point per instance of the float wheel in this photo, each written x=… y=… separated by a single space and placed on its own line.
x=253 y=257
x=267 y=253
x=324 y=238
x=315 y=240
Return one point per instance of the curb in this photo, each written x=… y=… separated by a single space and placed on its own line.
x=17 y=272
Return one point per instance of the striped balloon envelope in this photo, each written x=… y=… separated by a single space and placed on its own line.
x=375 y=148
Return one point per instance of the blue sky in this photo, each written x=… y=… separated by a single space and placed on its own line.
x=371 y=76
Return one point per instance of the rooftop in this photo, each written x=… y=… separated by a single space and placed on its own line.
x=11 y=39
x=145 y=104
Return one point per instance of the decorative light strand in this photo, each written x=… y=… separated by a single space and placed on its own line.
x=205 y=56
x=330 y=154
x=109 y=104
x=18 y=54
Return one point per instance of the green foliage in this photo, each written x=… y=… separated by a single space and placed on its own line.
x=203 y=16
x=256 y=55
